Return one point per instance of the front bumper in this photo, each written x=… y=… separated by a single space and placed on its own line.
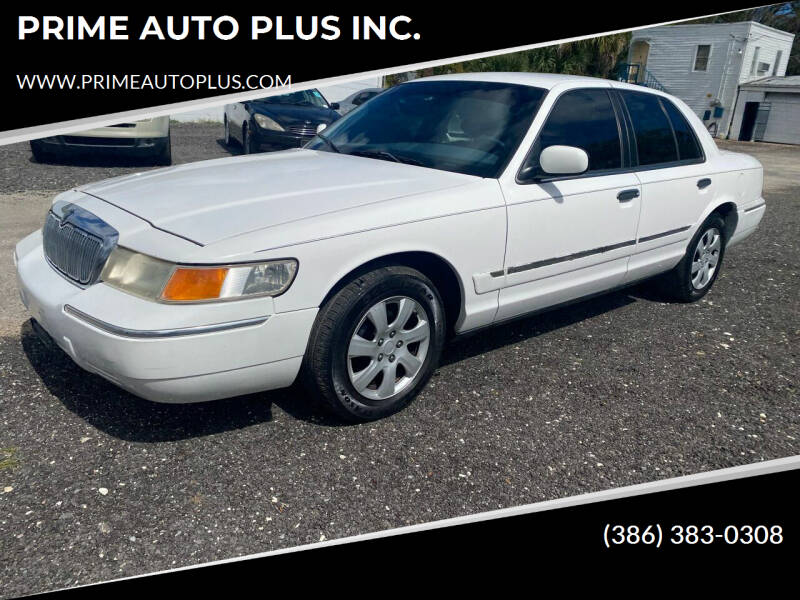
x=140 y=138
x=162 y=352
x=81 y=144
x=279 y=140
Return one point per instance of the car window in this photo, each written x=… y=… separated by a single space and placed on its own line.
x=688 y=146
x=310 y=97
x=470 y=127
x=583 y=118
x=654 y=140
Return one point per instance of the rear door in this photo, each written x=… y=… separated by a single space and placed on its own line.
x=675 y=179
x=571 y=236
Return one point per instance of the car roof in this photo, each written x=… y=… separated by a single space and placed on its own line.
x=540 y=80
x=544 y=81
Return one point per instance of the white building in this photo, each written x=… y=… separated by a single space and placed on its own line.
x=705 y=64
x=768 y=110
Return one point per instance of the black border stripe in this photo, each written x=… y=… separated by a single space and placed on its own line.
x=747 y=210
x=584 y=253
x=552 y=261
x=664 y=234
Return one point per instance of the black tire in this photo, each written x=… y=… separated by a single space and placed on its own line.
x=678 y=282
x=325 y=367
x=248 y=146
x=226 y=132
x=164 y=156
x=39 y=155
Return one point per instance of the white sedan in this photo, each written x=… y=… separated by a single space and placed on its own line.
x=444 y=205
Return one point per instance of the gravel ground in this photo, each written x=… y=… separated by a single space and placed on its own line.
x=97 y=484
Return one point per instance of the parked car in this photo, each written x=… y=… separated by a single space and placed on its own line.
x=148 y=138
x=358 y=98
x=277 y=122
x=445 y=205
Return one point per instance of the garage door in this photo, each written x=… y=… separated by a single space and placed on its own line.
x=783 y=125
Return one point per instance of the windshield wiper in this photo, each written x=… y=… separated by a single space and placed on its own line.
x=386 y=155
x=330 y=143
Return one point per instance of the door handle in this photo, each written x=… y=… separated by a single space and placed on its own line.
x=704 y=183
x=626 y=195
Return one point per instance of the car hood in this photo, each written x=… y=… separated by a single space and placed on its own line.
x=294 y=114
x=209 y=201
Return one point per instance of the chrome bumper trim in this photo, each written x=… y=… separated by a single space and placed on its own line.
x=161 y=333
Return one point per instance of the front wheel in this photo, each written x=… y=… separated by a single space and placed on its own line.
x=375 y=343
x=39 y=155
x=248 y=143
x=691 y=279
x=226 y=131
x=164 y=155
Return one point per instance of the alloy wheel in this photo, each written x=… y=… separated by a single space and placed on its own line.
x=388 y=348
x=706 y=258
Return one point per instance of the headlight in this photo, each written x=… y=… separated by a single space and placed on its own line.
x=164 y=281
x=266 y=123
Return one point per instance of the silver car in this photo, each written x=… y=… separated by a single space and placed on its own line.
x=357 y=99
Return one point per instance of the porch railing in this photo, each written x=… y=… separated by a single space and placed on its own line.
x=635 y=73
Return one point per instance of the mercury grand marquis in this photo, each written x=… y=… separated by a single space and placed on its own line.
x=444 y=205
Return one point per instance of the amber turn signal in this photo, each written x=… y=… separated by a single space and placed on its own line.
x=187 y=285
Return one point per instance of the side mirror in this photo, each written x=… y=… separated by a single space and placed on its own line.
x=563 y=160
x=321 y=127
x=334 y=105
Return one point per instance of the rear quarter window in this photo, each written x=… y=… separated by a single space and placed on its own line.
x=688 y=145
x=654 y=140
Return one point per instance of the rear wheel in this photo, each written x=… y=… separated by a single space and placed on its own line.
x=376 y=343
x=693 y=277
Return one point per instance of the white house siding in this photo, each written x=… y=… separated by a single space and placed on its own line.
x=782 y=94
x=783 y=123
x=770 y=42
x=672 y=54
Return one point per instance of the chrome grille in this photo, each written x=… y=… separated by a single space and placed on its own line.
x=78 y=243
x=303 y=129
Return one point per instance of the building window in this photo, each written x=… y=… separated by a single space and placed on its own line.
x=755 y=60
x=701 y=57
x=777 y=65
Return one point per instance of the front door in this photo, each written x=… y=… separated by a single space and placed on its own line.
x=639 y=52
x=571 y=236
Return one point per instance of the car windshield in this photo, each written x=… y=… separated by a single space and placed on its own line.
x=470 y=127
x=305 y=98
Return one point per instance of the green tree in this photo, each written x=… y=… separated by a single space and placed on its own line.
x=599 y=57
